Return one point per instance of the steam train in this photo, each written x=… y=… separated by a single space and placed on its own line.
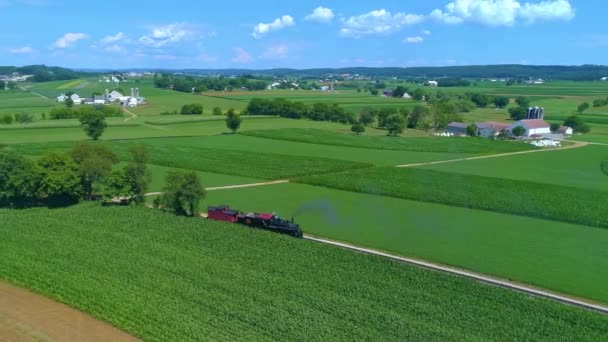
x=264 y=221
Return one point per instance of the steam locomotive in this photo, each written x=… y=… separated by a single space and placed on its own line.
x=264 y=221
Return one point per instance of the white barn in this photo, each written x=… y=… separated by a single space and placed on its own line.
x=532 y=127
x=61 y=98
x=76 y=98
x=432 y=83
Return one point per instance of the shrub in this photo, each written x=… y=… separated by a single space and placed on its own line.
x=24 y=117
x=192 y=109
x=6 y=119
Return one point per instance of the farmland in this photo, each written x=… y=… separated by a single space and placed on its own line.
x=206 y=280
x=528 y=217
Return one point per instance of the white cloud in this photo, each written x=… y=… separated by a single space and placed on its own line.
x=426 y=32
x=167 y=34
x=321 y=14
x=377 y=22
x=276 y=52
x=113 y=38
x=69 y=39
x=22 y=50
x=114 y=48
x=241 y=56
x=279 y=23
x=547 y=10
x=502 y=12
x=413 y=40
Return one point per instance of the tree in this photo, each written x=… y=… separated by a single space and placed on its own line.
x=182 y=193
x=400 y=91
x=366 y=118
x=69 y=102
x=19 y=181
x=582 y=107
x=59 y=179
x=137 y=173
x=24 y=117
x=481 y=100
x=518 y=131
x=192 y=109
x=6 y=119
x=555 y=127
x=418 y=116
x=93 y=123
x=217 y=111
x=384 y=114
x=233 y=120
x=94 y=164
x=501 y=101
x=358 y=128
x=395 y=124
x=523 y=101
x=374 y=92
x=518 y=113
x=577 y=124
x=472 y=130
x=418 y=94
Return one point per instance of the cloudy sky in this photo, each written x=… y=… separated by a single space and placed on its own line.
x=301 y=34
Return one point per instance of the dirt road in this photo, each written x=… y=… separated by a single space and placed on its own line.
x=132 y=115
x=228 y=187
x=25 y=316
x=576 y=144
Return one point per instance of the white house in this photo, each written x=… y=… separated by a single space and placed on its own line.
x=407 y=96
x=604 y=78
x=565 y=130
x=76 y=98
x=532 y=127
x=61 y=98
x=432 y=83
x=114 y=95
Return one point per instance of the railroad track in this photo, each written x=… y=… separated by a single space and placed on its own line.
x=471 y=275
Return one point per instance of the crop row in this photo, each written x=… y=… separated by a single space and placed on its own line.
x=165 y=278
x=230 y=162
x=553 y=202
x=415 y=144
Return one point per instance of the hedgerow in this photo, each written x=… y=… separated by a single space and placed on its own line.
x=161 y=277
x=553 y=202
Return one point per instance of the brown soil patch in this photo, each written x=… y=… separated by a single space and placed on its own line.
x=25 y=316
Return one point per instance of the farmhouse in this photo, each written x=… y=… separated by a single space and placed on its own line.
x=61 y=98
x=76 y=98
x=432 y=83
x=457 y=128
x=565 y=130
x=490 y=129
x=604 y=78
x=532 y=127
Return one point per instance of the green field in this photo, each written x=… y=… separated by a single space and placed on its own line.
x=427 y=144
x=578 y=167
x=546 y=201
x=526 y=217
x=559 y=256
x=159 y=277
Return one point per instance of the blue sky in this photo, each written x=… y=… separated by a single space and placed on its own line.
x=301 y=34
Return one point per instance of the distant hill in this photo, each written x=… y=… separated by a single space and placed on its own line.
x=43 y=73
x=555 y=72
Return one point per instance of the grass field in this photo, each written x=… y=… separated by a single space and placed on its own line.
x=160 y=277
x=578 y=167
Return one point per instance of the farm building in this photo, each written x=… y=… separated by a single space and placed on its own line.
x=432 y=83
x=532 y=127
x=565 y=130
x=490 y=129
x=604 y=78
x=76 y=98
x=61 y=98
x=457 y=128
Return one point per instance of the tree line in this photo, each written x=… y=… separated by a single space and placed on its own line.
x=189 y=84
x=88 y=172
